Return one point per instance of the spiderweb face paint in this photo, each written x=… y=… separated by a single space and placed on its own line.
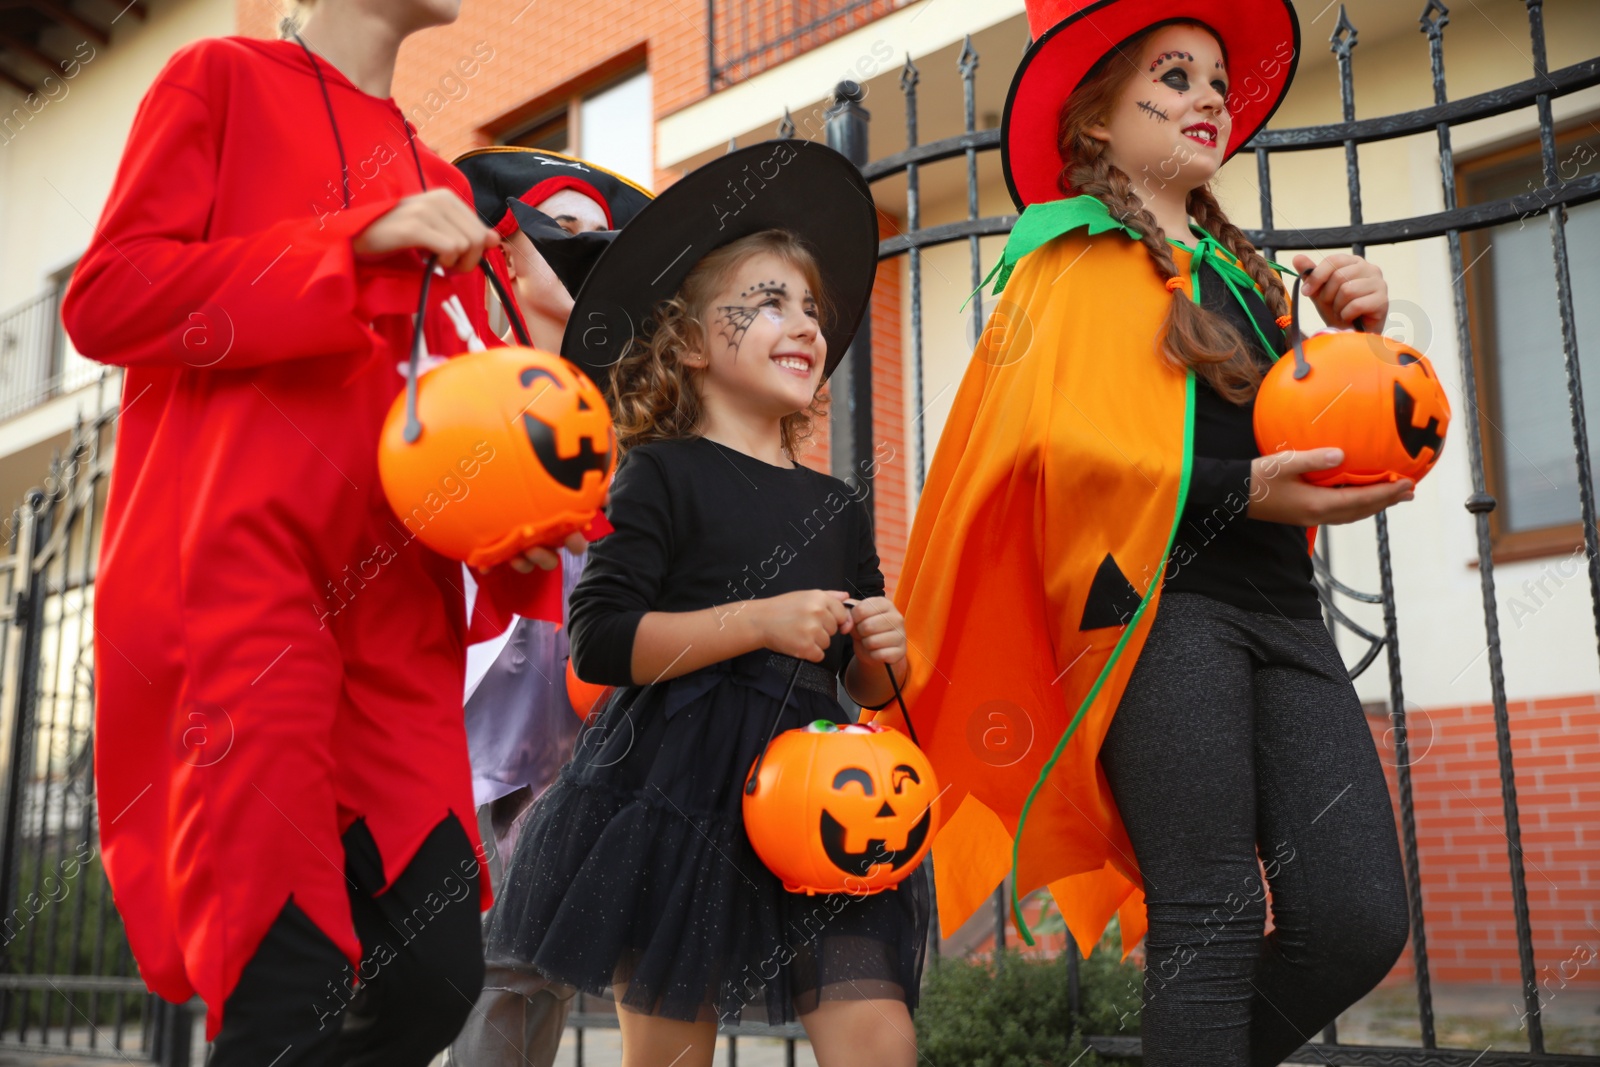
x=733 y=322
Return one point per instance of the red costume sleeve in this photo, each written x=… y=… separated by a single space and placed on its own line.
x=154 y=290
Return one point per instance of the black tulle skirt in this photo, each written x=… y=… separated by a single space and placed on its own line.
x=633 y=876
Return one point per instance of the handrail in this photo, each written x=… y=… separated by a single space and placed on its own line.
x=1427 y=119
x=1477 y=216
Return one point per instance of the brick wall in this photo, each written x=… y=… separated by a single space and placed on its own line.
x=891 y=450
x=892 y=454
x=524 y=54
x=1466 y=882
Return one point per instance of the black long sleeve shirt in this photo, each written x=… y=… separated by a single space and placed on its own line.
x=698 y=525
x=1221 y=552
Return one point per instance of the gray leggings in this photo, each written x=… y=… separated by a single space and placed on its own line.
x=1240 y=731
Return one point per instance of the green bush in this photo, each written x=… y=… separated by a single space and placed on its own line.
x=56 y=934
x=1014 y=1011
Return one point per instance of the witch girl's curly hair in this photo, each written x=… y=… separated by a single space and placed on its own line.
x=653 y=393
x=1192 y=337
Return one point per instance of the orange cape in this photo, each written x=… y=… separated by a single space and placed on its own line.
x=1033 y=572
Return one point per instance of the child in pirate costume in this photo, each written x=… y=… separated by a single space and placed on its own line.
x=717 y=606
x=554 y=215
x=281 y=770
x=1121 y=671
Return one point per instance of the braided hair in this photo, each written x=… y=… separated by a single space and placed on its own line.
x=1192 y=337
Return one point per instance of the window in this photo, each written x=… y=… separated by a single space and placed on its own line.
x=618 y=129
x=1516 y=332
x=550 y=134
x=613 y=127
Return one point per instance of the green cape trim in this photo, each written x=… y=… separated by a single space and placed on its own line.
x=1042 y=223
x=1116 y=653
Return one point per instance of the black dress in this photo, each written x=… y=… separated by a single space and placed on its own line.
x=634 y=868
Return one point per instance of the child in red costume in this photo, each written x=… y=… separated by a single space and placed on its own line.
x=284 y=791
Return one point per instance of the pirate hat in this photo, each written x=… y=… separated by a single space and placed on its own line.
x=803 y=187
x=1260 y=38
x=508 y=181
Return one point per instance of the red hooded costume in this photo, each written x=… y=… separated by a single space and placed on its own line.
x=277 y=655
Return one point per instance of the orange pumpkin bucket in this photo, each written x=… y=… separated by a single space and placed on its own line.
x=842 y=809
x=847 y=808
x=584 y=696
x=496 y=452
x=1378 y=400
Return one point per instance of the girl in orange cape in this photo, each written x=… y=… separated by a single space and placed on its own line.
x=1099 y=462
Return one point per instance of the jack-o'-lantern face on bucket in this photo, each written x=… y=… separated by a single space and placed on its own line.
x=567 y=423
x=515 y=451
x=893 y=834
x=1375 y=398
x=842 y=809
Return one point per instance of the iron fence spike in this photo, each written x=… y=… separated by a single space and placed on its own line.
x=967 y=61
x=1434 y=18
x=1345 y=35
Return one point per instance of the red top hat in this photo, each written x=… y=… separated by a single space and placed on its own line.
x=1260 y=38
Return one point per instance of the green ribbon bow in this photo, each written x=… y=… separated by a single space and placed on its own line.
x=1043 y=222
x=1208 y=250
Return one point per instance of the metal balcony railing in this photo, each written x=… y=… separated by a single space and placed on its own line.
x=745 y=37
x=36 y=360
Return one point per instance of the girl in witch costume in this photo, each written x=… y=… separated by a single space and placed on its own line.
x=1120 y=667
x=721 y=592
x=554 y=215
x=281 y=768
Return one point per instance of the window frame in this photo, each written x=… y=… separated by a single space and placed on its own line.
x=564 y=119
x=565 y=102
x=1509 y=545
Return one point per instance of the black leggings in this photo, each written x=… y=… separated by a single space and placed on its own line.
x=1238 y=731
x=420 y=973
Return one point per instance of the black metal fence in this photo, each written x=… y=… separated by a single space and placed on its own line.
x=68 y=981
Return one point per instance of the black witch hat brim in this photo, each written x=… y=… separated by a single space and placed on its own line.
x=802 y=187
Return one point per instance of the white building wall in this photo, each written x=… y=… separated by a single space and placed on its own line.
x=58 y=156
x=56 y=171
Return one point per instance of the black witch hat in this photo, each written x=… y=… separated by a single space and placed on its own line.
x=802 y=187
